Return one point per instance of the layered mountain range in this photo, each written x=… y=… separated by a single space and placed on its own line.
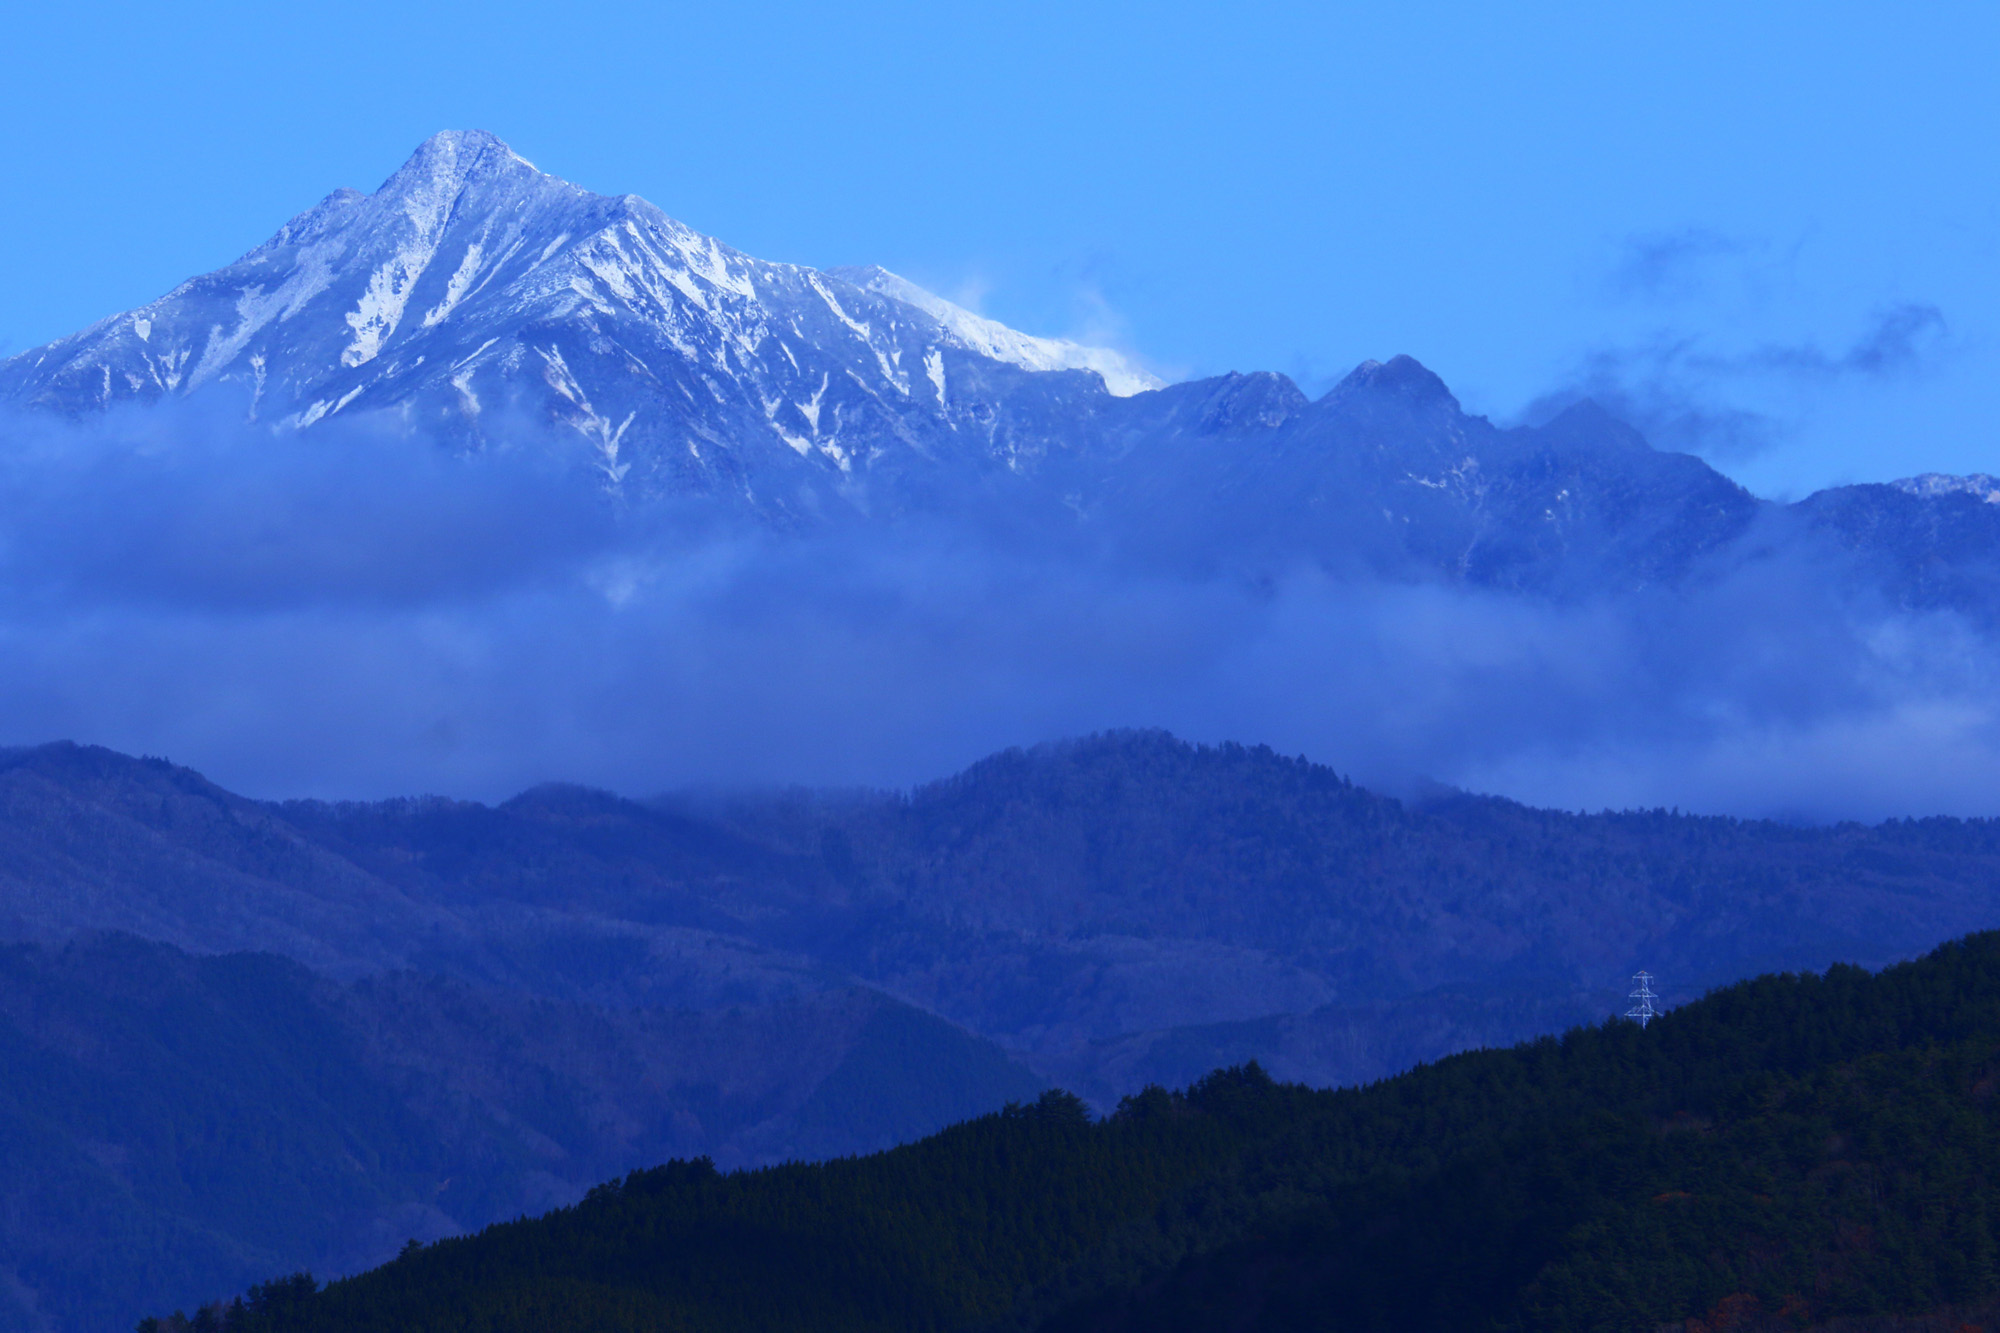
x=244 y=1036
x=477 y=301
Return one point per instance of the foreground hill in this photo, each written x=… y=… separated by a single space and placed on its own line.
x=1783 y=1152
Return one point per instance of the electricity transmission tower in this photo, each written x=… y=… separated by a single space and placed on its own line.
x=1643 y=993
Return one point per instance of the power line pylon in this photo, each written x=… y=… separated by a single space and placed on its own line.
x=1642 y=991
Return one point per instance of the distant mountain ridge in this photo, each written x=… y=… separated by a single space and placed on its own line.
x=478 y=301
x=1082 y=904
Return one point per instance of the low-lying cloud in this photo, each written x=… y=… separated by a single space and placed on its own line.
x=356 y=613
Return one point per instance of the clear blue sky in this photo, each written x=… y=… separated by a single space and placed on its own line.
x=1771 y=230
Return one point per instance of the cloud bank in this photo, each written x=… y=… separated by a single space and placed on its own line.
x=355 y=613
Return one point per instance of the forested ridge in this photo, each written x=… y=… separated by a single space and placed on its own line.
x=1785 y=1152
x=1117 y=910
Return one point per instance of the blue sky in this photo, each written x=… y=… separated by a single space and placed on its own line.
x=1771 y=233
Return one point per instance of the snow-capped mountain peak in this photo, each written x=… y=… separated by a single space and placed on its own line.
x=472 y=283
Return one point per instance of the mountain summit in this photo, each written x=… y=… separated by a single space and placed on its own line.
x=472 y=285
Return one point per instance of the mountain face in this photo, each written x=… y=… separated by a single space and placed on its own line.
x=479 y=302
x=473 y=295
x=1388 y=475
x=1930 y=541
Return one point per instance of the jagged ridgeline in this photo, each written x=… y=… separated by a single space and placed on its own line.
x=1786 y=1152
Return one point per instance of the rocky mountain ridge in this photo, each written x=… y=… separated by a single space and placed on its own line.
x=474 y=295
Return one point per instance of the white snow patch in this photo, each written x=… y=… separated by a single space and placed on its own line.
x=467 y=360
x=703 y=256
x=312 y=273
x=1933 y=484
x=683 y=281
x=462 y=381
x=375 y=317
x=891 y=373
x=810 y=408
x=460 y=284
x=993 y=339
x=589 y=422
x=166 y=369
x=934 y=367
x=833 y=305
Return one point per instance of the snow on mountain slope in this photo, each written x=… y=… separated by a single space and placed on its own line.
x=472 y=293
x=992 y=338
x=1934 y=484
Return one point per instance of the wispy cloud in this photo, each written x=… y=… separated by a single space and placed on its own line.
x=1669 y=265
x=1899 y=340
x=1686 y=394
x=970 y=292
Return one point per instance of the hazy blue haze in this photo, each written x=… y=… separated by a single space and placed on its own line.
x=1769 y=233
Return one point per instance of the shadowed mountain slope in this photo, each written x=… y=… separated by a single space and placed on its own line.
x=170 y=1124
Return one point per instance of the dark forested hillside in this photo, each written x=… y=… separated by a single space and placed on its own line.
x=1198 y=892
x=1786 y=1152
